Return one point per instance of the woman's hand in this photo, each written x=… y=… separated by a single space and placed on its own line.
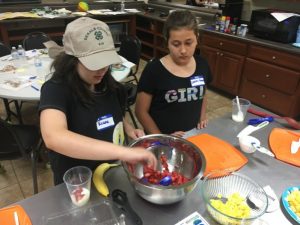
x=178 y=133
x=140 y=155
x=202 y=124
x=135 y=133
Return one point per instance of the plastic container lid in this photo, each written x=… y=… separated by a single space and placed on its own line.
x=100 y=214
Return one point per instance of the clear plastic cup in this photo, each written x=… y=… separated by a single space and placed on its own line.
x=237 y=115
x=78 y=182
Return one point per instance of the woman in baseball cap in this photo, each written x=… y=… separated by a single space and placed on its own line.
x=82 y=107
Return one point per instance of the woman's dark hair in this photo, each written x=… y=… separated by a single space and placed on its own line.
x=65 y=70
x=179 y=19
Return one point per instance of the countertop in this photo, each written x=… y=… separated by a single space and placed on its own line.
x=256 y=40
x=264 y=169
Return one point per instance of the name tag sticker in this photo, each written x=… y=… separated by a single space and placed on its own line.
x=105 y=122
x=197 y=81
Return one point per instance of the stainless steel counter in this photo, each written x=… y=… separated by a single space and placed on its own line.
x=262 y=168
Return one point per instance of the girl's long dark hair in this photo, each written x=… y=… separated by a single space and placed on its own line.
x=65 y=70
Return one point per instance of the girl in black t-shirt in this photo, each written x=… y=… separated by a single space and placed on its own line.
x=81 y=106
x=171 y=92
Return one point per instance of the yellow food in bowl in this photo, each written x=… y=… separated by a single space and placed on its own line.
x=235 y=206
x=294 y=201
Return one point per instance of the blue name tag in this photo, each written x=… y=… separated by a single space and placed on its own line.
x=105 y=122
x=197 y=81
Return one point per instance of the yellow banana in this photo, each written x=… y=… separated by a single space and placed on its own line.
x=98 y=178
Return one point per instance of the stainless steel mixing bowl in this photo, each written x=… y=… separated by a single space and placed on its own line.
x=182 y=156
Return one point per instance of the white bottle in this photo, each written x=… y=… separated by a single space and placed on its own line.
x=21 y=52
x=37 y=61
x=14 y=53
x=122 y=6
x=298 y=35
x=38 y=67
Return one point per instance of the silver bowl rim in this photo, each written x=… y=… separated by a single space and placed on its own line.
x=194 y=180
x=206 y=200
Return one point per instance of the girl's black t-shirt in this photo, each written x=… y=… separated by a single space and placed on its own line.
x=97 y=121
x=176 y=101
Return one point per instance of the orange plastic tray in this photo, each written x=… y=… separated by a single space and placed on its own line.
x=7 y=215
x=219 y=154
x=280 y=141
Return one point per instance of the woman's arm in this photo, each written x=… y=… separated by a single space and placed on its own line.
x=131 y=131
x=58 y=138
x=203 y=120
x=142 y=106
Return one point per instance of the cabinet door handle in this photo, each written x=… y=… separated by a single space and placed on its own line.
x=221 y=43
x=263 y=96
x=221 y=54
x=218 y=53
x=267 y=75
x=273 y=57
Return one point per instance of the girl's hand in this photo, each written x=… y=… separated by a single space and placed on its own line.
x=178 y=133
x=202 y=124
x=140 y=155
x=136 y=133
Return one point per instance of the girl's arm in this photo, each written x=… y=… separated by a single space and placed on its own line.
x=58 y=138
x=142 y=106
x=131 y=131
x=203 y=120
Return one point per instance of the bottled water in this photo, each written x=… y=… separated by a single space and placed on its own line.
x=37 y=61
x=38 y=66
x=122 y=6
x=14 y=53
x=21 y=52
x=298 y=35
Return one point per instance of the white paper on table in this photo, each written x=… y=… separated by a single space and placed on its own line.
x=132 y=10
x=114 y=13
x=279 y=16
x=276 y=217
x=15 y=84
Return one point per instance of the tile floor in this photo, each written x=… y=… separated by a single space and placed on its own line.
x=16 y=182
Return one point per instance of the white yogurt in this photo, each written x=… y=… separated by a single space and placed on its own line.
x=83 y=200
x=238 y=117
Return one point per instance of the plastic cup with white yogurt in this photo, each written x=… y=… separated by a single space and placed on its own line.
x=78 y=182
x=239 y=113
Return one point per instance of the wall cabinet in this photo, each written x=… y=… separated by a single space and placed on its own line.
x=225 y=58
x=272 y=79
x=267 y=77
x=149 y=31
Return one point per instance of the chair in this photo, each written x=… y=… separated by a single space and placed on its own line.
x=130 y=49
x=19 y=141
x=35 y=40
x=4 y=50
x=131 y=90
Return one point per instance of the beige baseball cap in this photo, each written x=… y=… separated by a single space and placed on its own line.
x=91 y=42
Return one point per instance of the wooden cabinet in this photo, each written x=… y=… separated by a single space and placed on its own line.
x=149 y=31
x=13 y=31
x=272 y=79
x=226 y=58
